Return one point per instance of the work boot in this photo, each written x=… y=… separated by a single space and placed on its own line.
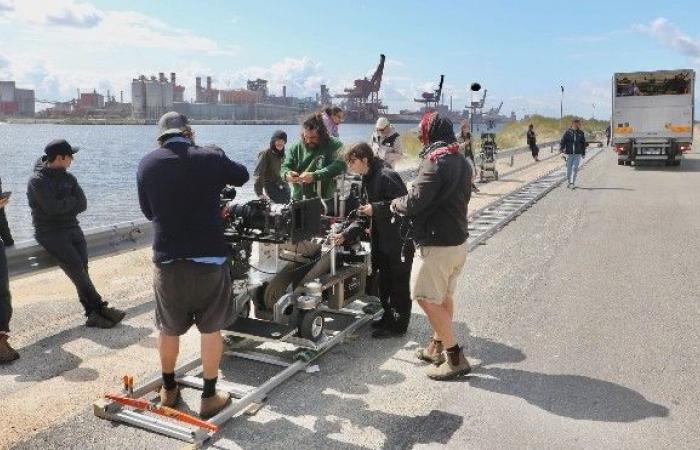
x=96 y=320
x=113 y=314
x=381 y=323
x=7 y=353
x=436 y=357
x=448 y=369
x=169 y=397
x=213 y=405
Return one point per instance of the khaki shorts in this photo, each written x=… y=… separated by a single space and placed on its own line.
x=189 y=293
x=435 y=271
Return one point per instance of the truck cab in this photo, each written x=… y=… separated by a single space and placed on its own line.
x=652 y=117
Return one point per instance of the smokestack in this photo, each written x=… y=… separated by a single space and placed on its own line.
x=172 y=77
x=121 y=96
x=208 y=83
x=198 y=82
x=284 y=91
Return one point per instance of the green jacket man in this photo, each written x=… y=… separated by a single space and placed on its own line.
x=313 y=158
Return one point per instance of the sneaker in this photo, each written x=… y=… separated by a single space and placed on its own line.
x=7 y=353
x=96 y=320
x=113 y=314
x=213 y=405
x=446 y=370
x=388 y=332
x=170 y=397
x=436 y=358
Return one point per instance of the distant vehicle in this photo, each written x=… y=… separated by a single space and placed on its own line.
x=652 y=116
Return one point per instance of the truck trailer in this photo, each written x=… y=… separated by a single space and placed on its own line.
x=653 y=116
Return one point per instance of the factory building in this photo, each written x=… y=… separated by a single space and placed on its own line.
x=152 y=97
x=14 y=101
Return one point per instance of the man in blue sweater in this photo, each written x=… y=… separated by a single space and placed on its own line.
x=573 y=144
x=179 y=186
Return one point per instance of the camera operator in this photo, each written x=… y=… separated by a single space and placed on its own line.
x=380 y=185
x=267 y=172
x=179 y=186
x=312 y=159
x=437 y=207
x=56 y=199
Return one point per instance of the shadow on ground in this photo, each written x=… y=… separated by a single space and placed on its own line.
x=47 y=358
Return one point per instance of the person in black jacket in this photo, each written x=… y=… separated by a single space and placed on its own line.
x=5 y=233
x=532 y=142
x=56 y=199
x=437 y=206
x=7 y=353
x=573 y=144
x=179 y=187
x=391 y=256
x=268 y=181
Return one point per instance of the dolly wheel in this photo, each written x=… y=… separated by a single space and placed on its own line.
x=311 y=325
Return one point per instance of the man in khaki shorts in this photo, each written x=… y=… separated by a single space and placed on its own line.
x=437 y=206
x=179 y=186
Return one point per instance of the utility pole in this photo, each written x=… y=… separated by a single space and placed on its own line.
x=561 y=109
x=593 y=111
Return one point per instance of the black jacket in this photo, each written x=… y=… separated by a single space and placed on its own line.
x=268 y=169
x=437 y=201
x=55 y=198
x=5 y=234
x=179 y=189
x=531 y=138
x=380 y=186
x=573 y=142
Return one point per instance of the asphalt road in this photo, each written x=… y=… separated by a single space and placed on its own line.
x=581 y=321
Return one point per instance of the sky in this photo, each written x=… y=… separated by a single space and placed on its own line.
x=521 y=52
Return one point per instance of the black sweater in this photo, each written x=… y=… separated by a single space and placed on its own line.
x=179 y=187
x=55 y=198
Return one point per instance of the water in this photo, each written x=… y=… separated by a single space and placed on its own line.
x=109 y=156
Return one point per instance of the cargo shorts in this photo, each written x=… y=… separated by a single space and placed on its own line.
x=190 y=293
x=435 y=272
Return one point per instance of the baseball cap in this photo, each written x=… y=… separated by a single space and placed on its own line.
x=382 y=123
x=172 y=123
x=59 y=147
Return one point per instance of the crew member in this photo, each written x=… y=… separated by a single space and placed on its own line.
x=532 y=142
x=386 y=142
x=333 y=116
x=437 y=207
x=269 y=184
x=313 y=159
x=391 y=257
x=5 y=233
x=56 y=199
x=7 y=353
x=573 y=145
x=179 y=185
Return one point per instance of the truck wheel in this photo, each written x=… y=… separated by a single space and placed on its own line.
x=311 y=325
x=677 y=163
x=620 y=162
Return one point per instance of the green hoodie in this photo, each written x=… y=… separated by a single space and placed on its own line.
x=299 y=158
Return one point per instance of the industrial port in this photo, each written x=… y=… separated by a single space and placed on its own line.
x=153 y=95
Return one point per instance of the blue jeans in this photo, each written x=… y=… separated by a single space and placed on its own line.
x=572 y=163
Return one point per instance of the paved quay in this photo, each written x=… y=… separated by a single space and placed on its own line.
x=580 y=319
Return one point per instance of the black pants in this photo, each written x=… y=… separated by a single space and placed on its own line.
x=394 y=287
x=70 y=249
x=535 y=150
x=5 y=299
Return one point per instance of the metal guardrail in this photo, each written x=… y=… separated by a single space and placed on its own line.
x=28 y=256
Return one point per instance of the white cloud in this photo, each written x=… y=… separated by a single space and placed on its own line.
x=6 y=5
x=671 y=36
x=87 y=27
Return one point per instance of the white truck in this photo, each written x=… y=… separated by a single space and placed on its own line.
x=652 y=116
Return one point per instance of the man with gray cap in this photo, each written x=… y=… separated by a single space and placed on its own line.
x=56 y=199
x=179 y=186
x=386 y=142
